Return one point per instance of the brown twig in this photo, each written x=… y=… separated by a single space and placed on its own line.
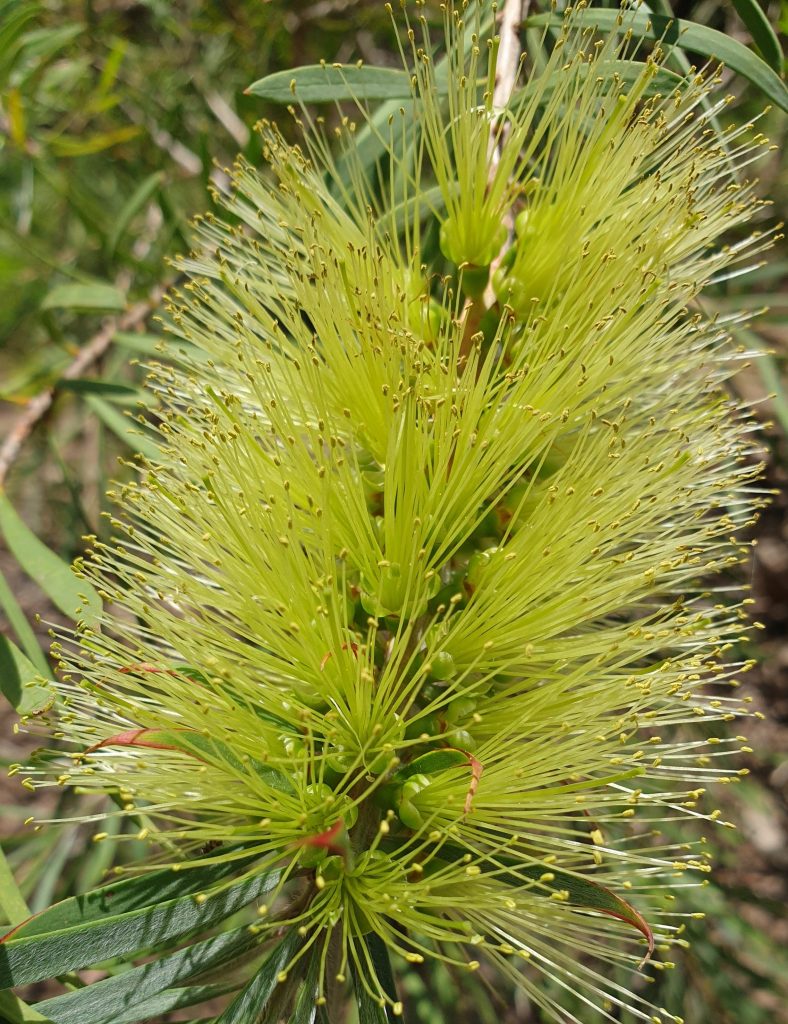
x=37 y=407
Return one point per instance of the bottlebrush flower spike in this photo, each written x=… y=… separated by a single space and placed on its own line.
x=414 y=603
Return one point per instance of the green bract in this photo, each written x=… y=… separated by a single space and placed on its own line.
x=411 y=604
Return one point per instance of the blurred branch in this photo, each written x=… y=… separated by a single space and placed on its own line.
x=38 y=406
x=506 y=71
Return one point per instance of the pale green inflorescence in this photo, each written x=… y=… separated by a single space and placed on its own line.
x=417 y=575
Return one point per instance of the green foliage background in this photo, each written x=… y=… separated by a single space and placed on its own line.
x=116 y=118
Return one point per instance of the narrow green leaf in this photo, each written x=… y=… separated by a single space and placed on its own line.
x=44 y=43
x=12 y=902
x=136 y=201
x=663 y=81
x=760 y=28
x=103 y=388
x=662 y=7
x=122 y=897
x=148 y=344
x=20 y=681
x=14 y=19
x=128 y=431
x=155 y=1009
x=431 y=763
x=369 y=1010
x=24 y=631
x=306 y=1007
x=251 y=1000
x=324 y=83
x=85 y=297
x=581 y=892
x=674 y=32
x=14 y=1011
x=194 y=744
x=74 y=597
x=379 y=954
x=104 y=924
x=104 y=1001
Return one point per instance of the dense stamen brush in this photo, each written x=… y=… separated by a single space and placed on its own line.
x=413 y=608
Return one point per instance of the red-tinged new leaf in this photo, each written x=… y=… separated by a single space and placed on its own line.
x=196 y=745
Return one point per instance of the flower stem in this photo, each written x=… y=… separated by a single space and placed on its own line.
x=366 y=826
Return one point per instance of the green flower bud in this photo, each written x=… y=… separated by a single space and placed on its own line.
x=462 y=739
x=339 y=759
x=414 y=785
x=523 y=223
x=317 y=792
x=442 y=665
x=409 y=814
x=477 y=564
x=424 y=725
x=348 y=811
x=431 y=321
x=511 y=290
x=431 y=691
x=293 y=746
x=459 y=709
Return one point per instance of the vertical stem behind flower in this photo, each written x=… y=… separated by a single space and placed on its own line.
x=506 y=69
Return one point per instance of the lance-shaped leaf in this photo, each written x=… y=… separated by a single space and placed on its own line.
x=85 y=297
x=253 y=997
x=306 y=1008
x=707 y=42
x=154 y=1009
x=137 y=914
x=21 y=683
x=580 y=892
x=203 y=748
x=15 y=1011
x=760 y=28
x=324 y=83
x=663 y=81
x=74 y=597
x=104 y=1001
x=17 y=619
x=370 y=1010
